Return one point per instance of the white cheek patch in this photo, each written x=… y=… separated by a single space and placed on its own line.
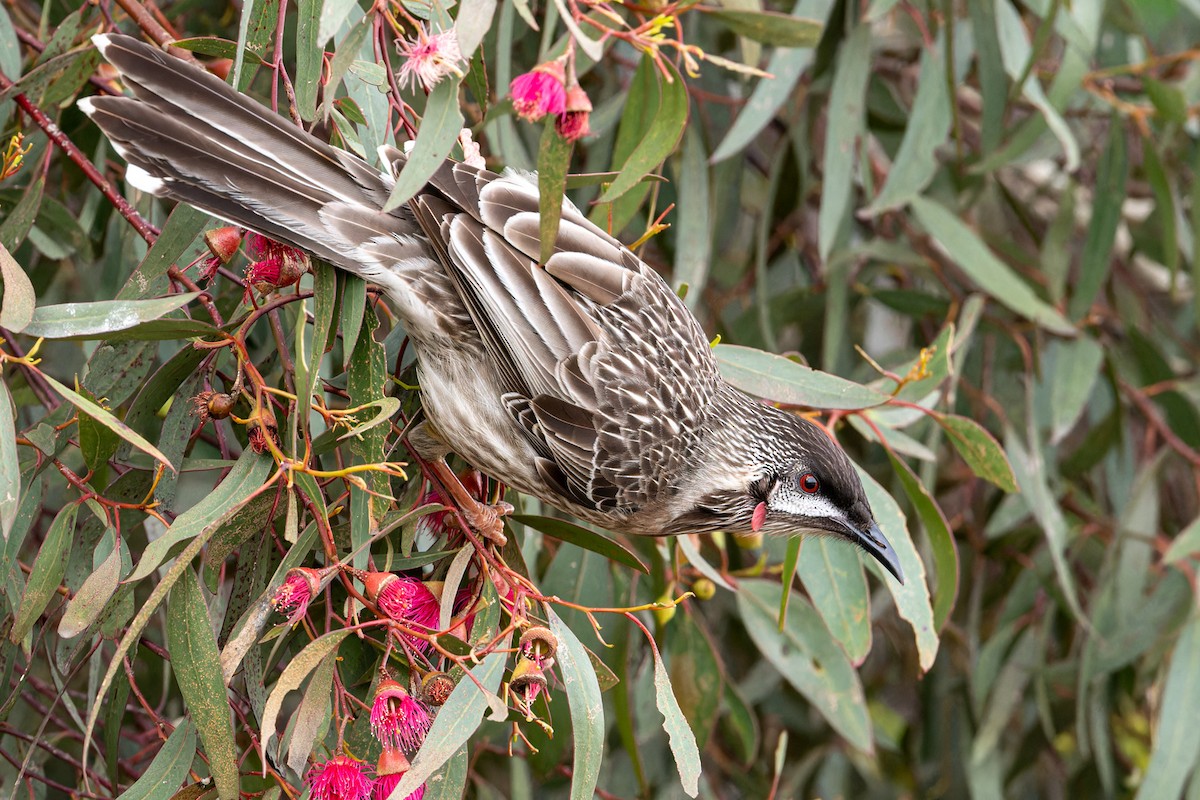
x=806 y=505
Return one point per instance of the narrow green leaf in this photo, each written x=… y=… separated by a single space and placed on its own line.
x=97 y=589
x=787 y=574
x=17 y=307
x=847 y=103
x=1075 y=372
x=768 y=96
x=664 y=133
x=203 y=519
x=769 y=27
x=105 y=418
x=941 y=541
x=695 y=674
x=979 y=263
x=593 y=48
x=297 y=669
x=105 y=316
x=47 y=572
x=458 y=718
x=198 y=674
x=582 y=537
x=309 y=57
x=740 y=726
x=916 y=161
x=979 y=449
x=833 y=577
x=19 y=219
x=10 y=464
x=1016 y=54
x=808 y=658
x=1185 y=544
x=312 y=716
x=911 y=597
x=1176 y=747
x=169 y=768
x=1029 y=469
x=1096 y=260
x=208 y=46
x=679 y=733
x=344 y=55
x=354 y=306
x=474 y=20
x=439 y=131
x=782 y=380
x=96 y=442
x=554 y=158
x=449 y=782
x=694 y=227
x=586 y=706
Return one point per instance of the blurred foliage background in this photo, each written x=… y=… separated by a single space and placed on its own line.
x=981 y=215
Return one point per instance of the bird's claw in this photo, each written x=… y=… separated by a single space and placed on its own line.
x=488 y=521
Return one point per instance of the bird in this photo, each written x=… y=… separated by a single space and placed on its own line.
x=582 y=380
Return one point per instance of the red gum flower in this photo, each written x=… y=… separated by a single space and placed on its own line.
x=540 y=92
x=275 y=265
x=340 y=778
x=296 y=592
x=572 y=123
x=397 y=718
x=392 y=766
x=405 y=600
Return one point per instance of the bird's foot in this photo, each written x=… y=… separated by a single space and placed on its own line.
x=487 y=520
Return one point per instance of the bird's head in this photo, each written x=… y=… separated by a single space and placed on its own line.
x=810 y=485
x=794 y=479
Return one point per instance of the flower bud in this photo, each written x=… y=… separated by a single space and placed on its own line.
x=704 y=589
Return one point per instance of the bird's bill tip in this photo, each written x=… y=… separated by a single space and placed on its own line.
x=876 y=544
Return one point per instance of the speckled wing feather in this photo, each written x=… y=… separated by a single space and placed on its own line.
x=604 y=367
x=189 y=136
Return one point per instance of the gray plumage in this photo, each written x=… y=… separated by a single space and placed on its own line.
x=584 y=381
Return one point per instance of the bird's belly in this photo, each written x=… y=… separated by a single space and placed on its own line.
x=460 y=399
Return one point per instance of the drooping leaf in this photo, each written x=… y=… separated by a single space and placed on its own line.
x=992 y=275
x=666 y=128
x=979 y=449
x=808 y=658
x=587 y=709
x=169 y=768
x=439 y=131
x=769 y=27
x=197 y=672
x=679 y=733
x=105 y=417
x=46 y=573
x=784 y=381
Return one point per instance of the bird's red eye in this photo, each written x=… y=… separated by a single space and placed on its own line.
x=809 y=483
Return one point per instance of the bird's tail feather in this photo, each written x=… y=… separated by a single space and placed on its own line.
x=189 y=136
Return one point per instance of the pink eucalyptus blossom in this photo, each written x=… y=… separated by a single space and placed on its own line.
x=340 y=778
x=296 y=592
x=392 y=766
x=397 y=718
x=540 y=92
x=429 y=58
x=405 y=600
x=572 y=123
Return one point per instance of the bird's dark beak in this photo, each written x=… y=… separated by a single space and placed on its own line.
x=873 y=541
